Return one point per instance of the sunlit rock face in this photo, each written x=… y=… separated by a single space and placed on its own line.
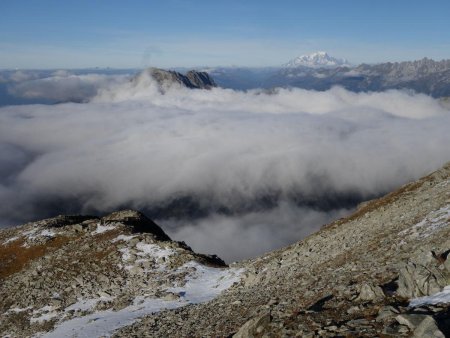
x=167 y=78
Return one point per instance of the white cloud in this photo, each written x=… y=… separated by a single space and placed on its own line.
x=250 y=234
x=63 y=86
x=301 y=152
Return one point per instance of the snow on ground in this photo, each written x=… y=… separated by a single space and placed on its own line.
x=47 y=233
x=36 y=233
x=104 y=323
x=145 y=251
x=31 y=234
x=18 y=309
x=86 y=304
x=44 y=314
x=124 y=238
x=153 y=250
x=442 y=297
x=126 y=254
x=203 y=285
x=12 y=239
x=103 y=228
x=433 y=222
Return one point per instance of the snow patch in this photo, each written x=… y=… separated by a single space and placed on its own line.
x=44 y=314
x=442 y=297
x=126 y=254
x=12 y=239
x=18 y=309
x=202 y=285
x=36 y=234
x=31 y=234
x=47 y=233
x=432 y=223
x=153 y=250
x=205 y=283
x=83 y=305
x=124 y=238
x=103 y=228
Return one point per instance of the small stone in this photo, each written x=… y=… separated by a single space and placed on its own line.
x=353 y=310
x=331 y=328
x=171 y=296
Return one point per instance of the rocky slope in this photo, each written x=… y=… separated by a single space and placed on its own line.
x=88 y=275
x=371 y=274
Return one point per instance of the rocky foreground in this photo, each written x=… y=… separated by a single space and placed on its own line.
x=383 y=271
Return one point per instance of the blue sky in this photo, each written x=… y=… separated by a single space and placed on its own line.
x=170 y=33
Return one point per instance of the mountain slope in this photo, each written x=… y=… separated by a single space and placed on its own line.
x=355 y=277
x=322 y=286
x=62 y=273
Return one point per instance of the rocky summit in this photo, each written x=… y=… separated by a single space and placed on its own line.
x=167 y=78
x=381 y=272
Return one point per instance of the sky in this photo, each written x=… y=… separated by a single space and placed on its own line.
x=177 y=33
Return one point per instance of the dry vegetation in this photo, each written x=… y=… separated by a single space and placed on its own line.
x=14 y=256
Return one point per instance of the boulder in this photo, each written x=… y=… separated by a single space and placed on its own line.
x=254 y=327
x=371 y=293
x=386 y=313
x=418 y=280
x=410 y=320
x=428 y=329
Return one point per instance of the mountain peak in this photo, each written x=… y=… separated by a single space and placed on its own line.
x=317 y=59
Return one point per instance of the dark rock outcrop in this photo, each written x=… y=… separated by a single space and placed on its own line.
x=192 y=79
x=138 y=221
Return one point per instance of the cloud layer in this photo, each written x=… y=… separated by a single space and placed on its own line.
x=59 y=86
x=257 y=169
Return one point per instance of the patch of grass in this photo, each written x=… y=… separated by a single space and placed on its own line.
x=14 y=256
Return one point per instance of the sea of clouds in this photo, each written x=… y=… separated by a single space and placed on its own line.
x=229 y=172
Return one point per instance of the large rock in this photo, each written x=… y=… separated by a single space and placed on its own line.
x=254 y=327
x=371 y=293
x=411 y=320
x=428 y=329
x=138 y=221
x=417 y=280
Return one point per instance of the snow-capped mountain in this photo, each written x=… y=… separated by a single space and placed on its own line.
x=316 y=60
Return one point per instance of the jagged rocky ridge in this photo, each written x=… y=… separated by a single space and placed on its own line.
x=167 y=78
x=359 y=276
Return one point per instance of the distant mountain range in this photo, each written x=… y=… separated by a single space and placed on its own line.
x=320 y=71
